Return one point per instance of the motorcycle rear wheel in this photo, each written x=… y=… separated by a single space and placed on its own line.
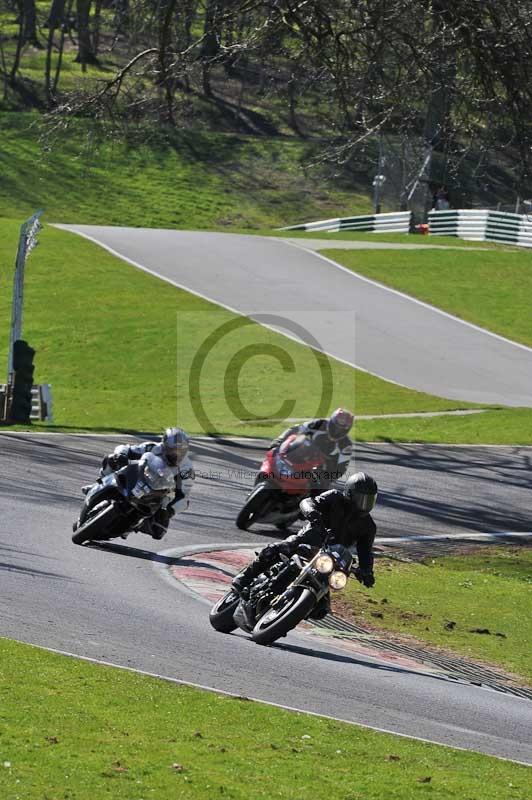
x=94 y=529
x=221 y=616
x=254 y=507
x=276 y=622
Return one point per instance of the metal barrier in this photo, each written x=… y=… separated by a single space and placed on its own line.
x=395 y=222
x=41 y=402
x=27 y=241
x=482 y=225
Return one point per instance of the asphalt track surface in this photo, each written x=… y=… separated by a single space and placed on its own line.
x=354 y=319
x=113 y=604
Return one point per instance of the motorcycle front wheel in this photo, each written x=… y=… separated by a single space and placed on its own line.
x=276 y=622
x=254 y=507
x=96 y=527
x=221 y=616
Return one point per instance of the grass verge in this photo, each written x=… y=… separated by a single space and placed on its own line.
x=510 y=426
x=118 y=346
x=86 y=731
x=491 y=289
x=477 y=604
x=393 y=238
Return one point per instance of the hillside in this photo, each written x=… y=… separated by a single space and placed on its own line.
x=173 y=179
x=272 y=112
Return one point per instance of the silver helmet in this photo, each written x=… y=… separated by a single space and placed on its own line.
x=339 y=424
x=175 y=445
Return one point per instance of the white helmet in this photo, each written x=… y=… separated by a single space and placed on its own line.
x=175 y=445
x=339 y=424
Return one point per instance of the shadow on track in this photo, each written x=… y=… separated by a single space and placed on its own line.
x=37 y=573
x=149 y=555
x=343 y=659
x=133 y=552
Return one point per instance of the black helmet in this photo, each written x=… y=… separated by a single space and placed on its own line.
x=361 y=490
x=174 y=445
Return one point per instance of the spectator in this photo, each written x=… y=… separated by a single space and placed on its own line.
x=440 y=199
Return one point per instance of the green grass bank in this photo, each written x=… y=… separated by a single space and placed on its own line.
x=85 y=731
x=491 y=288
x=98 y=324
x=119 y=345
x=165 y=179
x=477 y=604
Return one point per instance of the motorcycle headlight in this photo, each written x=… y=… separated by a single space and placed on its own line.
x=338 y=580
x=324 y=564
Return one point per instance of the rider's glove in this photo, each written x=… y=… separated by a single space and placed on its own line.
x=367 y=578
x=272 y=551
x=116 y=461
x=316 y=520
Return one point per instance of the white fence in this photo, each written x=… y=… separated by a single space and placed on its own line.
x=482 y=225
x=396 y=222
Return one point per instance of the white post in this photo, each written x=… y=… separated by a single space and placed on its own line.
x=26 y=243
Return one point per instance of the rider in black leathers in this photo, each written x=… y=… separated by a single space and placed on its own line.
x=334 y=516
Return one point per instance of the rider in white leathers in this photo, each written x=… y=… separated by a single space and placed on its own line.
x=173 y=449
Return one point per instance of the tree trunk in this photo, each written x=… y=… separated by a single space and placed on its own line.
x=86 y=53
x=211 y=41
x=166 y=80
x=121 y=20
x=68 y=11
x=29 y=23
x=5 y=80
x=55 y=20
x=18 y=51
x=96 y=26
x=436 y=130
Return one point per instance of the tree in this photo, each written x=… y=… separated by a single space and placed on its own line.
x=86 y=53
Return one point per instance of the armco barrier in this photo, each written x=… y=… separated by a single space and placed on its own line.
x=395 y=222
x=482 y=225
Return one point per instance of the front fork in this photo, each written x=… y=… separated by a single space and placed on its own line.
x=312 y=580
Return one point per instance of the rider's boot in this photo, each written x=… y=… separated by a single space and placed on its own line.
x=158 y=524
x=245 y=578
x=158 y=531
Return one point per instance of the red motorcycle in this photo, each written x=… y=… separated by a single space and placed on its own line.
x=286 y=476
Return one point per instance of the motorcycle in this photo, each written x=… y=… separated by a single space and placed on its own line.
x=286 y=594
x=286 y=476
x=123 y=500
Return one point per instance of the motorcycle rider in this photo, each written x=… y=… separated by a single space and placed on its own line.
x=330 y=434
x=333 y=516
x=173 y=449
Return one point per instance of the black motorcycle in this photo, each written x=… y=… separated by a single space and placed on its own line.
x=286 y=594
x=122 y=501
